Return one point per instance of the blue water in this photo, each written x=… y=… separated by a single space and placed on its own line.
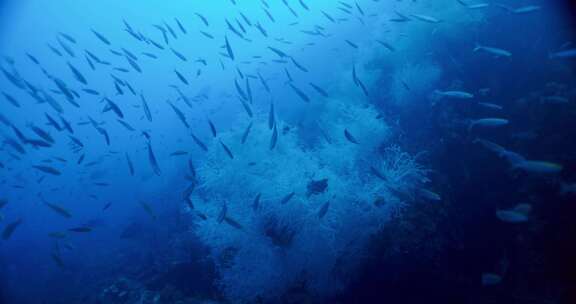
x=293 y=151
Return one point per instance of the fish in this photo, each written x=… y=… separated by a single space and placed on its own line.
x=492 y=50
x=387 y=45
x=454 y=94
x=287 y=198
x=300 y=93
x=319 y=90
x=130 y=165
x=323 y=210
x=426 y=18
x=179 y=55
x=352 y=44
x=488 y=122
x=240 y=91
x=57 y=260
x=246 y=107
x=181 y=77
x=274 y=138
x=148 y=209
x=47 y=169
x=490 y=106
x=101 y=37
x=180 y=26
x=429 y=195
x=145 y=107
x=59 y=210
x=263 y=82
x=227 y=150
x=153 y=161
x=256 y=202
x=114 y=107
x=212 y=128
x=299 y=66
x=11 y=100
x=233 y=223
x=222 y=213
x=203 y=19
x=511 y=216
x=199 y=142
x=126 y=125
x=571 y=53
x=350 y=137
x=271 y=116
x=228 y=48
x=180 y=115
x=537 y=167
x=80 y=229
x=278 y=52
x=134 y=65
x=246 y=133
x=10 y=228
x=490 y=279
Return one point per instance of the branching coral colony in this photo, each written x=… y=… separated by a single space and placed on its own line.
x=277 y=218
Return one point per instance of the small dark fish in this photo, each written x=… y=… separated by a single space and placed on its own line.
x=153 y=161
x=240 y=91
x=271 y=116
x=11 y=100
x=246 y=133
x=212 y=128
x=278 y=52
x=90 y=91
x=47 y=169
x=77 y=74
x=274 y=138
x=299 y=66
x=299 y=92
x=256 y=202
x=222 y=214
x=81 y=229
x=101 y=37
x=204 y=20
x=319 y=90
x=264 y=83
x=207 y=35
x=145 y=107
x=229 y=48
x=126 y=125
x=199 y=142
x=81 y=159
x=10 y=228
x=182 y=29
x=134 y=65
x=227 y=150
x=181 y=77
x=130 y=165
x=304 y=5
x=323 y=210
x=58 y=209
x=246 y=107
x=67 y=37
x=352 y=44
x=148 y=209
x=57 y=260
x=287 y=198
x=114 y=107
x=180 y=115
x=349 y=137
x=179 y=55
x=233 y=223
x=106 y=206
